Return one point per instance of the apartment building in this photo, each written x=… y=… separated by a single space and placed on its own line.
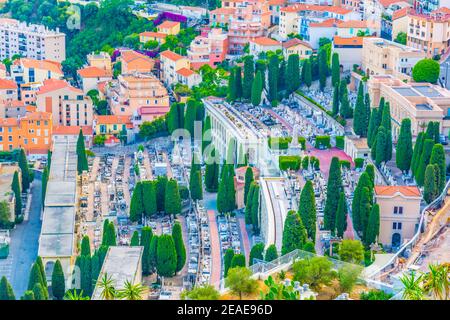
x=399 y=213
x=354 y=28
x=245 y=20
x=28 y=92
x=91 y=76
x=33 y=133
x=263 y=44
x=297 y=18
x=111 y=124
x=31 y=41
x=131 y=92
x=169 y=28
x=171 y=62
x=428 y=6
x=101 y=60
x=133 y=61
x=350 y=51
x=275 y=7
x=8 y=89
x=26 y=70
x=419 y=102
x=381 y=56
x=68 y=105
x=14 y=109
x=147 y=36
x=209 y=48
x=430 y=33
x=3 y=72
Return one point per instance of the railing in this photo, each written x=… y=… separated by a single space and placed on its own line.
x=433 y=205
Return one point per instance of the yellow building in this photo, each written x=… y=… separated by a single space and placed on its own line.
x=147 y=36
x=399 y=21
x=111 y=124
x=101 y=60
x=171 y=62
x=169 y=28
x=297 y=46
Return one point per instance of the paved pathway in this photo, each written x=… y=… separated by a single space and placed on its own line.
x=244 y=238
x=216 y=265
x=24 y=244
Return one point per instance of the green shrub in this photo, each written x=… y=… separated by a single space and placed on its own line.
x=359 y=162
x=289 y=163
x=345 y=164
x=279 y=143
x=340 y=142
x=323 y=142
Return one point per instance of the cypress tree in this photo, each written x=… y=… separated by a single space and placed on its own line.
x=249 y=70
x=190 y=116
x=248 y=206
x=367 y=112
x=307 y=79
x=281 y=76
x=430 y=130
x=345 y=109
x=58 y=281
x=359 y=117
x=388 y=150
x=15 y=187
x=111 y=235
x=404 y=150
x=438 y=158
x=206 y=134
x=95 y=267
x=226 y=195
x=437 y=137
x=260 y=65
x=238 y=81
x=294 y=233
x=271 y=253
x=273 y=77
x=371 y=131
x=35 y=277
x=334 y=188
x=82 y=162
x=238 y=261
x=172 y=200
x=23 y=165
x=424 y=161
x=363 y=182
x=85 y=246
x=149 y=198
x=153 y=253
x=365 y=206
x=256 y=89
x=28 y=295
x=293 y=75
x=212 y=174
x=86 y=275
x=196 y=186
x=255 y=208
x=38 y=292
x=166 y=256
x=146 y=238
x=417 y=151
x=6 y=291
x=105 y=231
x=200 y=108
x=257 y=252
x=380 y=145
x=134 y=242
x=232 y=86
x=179 y=246
x=248 y=180
x=370 y=170
x=430 y=188
x=161 y=183
x=229 y=254
x=335 y=69
x=173 y=118
x=341 y=216
x=373 y=225
x=307 y=209
x=136 y=205
x=336 y=98
x=386 y=117
x=44 y=184
x=323 y=68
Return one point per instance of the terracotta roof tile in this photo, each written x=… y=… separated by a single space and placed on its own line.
x=112 y=119
x=407 y=191
x=56 y=84
x=295 y=42
x=49 y=65
x=151 y=34
x=9 y=122
x=93 y=72
x=353 y=24
x=72 y=130
x=307 y=7
x=185 y=72
x=325 y=24
x=171 y=55
x=353 y=41
x=400 y=13
x=265 y=41
x=168 y=24
x=7 y=84
x=38 y=115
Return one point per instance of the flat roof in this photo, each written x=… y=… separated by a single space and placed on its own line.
x=58 y=220
x=55 y=245
x=121 y=264
x=407 y=92
x=60 y=193
x=428 y=91
x=423 y=106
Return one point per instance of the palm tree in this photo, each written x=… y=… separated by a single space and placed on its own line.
x=433 y=282
x=131 y=291
x=412 y=287
x=106 y=284
x=74 y=295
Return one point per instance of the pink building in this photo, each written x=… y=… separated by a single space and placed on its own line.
x=210 y=48
x=245 y=20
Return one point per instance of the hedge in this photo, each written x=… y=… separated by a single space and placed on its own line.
x=340 y=142
x=338 y=118
x=289 y=163
x=323 y=141
x=282 y=143
x=359 y=162
x=315 y=162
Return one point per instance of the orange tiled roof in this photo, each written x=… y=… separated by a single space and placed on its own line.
x=353 y=24
x=171 y=55
x=185 y=72
x=49 y=65
x=400 y=13
x=353 y=41
x=93 y=72
x=7 y=84
x=387 y=3
x=276 y=2
x=407 y=191
x=56 y=84
x=72 y=130
x=168 y=24
x=326 y=23
x=151 y=34
x=295 y=42
x=113 y=119
x=130 y=55
x=265 y=41
x=307 y=7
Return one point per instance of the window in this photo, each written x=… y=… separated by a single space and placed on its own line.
x=397 y=225
x=398 y=210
